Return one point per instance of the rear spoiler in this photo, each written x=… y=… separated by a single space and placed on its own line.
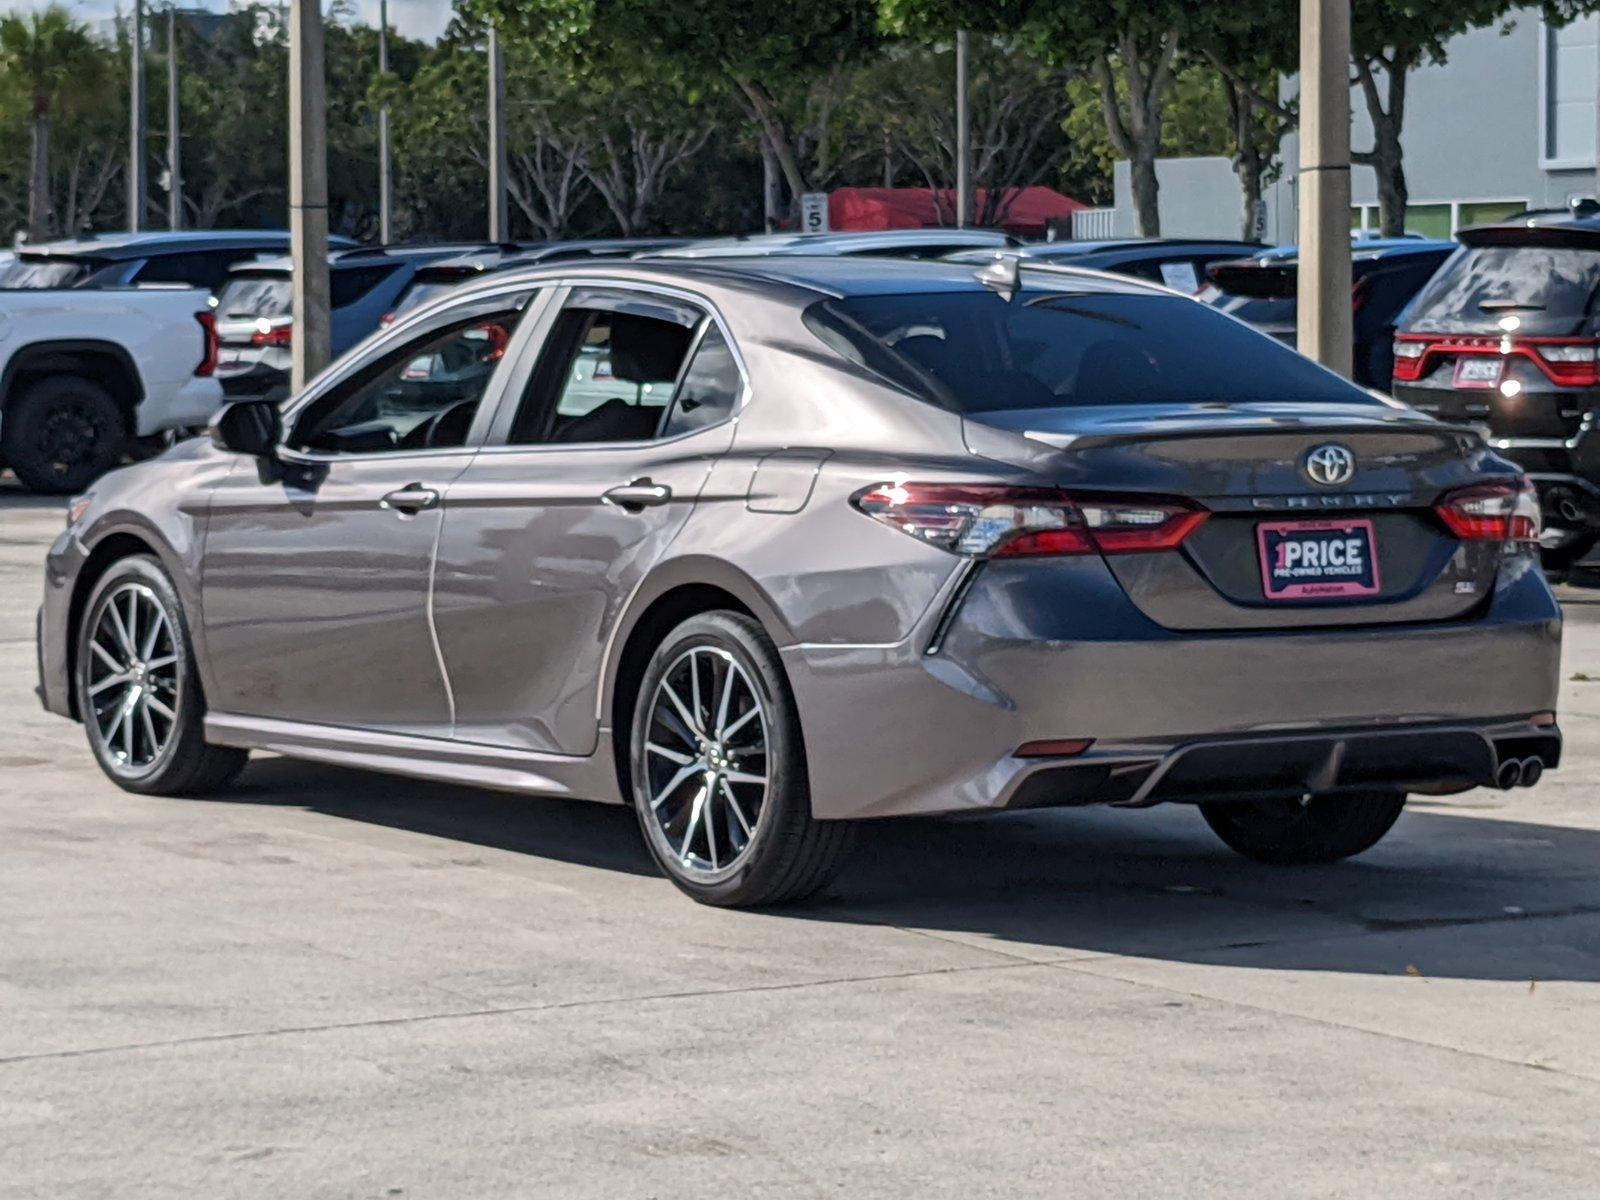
x=1568 y=235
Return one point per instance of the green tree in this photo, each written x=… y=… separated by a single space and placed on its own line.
x=1389 y=40
x=47 y=56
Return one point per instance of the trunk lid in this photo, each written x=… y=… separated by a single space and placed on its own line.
x=1248 y=465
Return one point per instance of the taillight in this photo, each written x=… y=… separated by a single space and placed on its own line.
x=1573 y=363
x=1494 y=512
x=209 y=347
x=982 y=520
x=267 y=334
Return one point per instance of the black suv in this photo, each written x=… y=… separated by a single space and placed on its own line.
x=1504 y=338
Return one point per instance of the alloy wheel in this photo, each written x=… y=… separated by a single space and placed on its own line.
x=706 y=761
x=132 y=681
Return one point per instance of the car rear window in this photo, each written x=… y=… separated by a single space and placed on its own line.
x=1549 y=289
x=976 y=352
x=246 y=296
x=347 y=285
x=48 y=273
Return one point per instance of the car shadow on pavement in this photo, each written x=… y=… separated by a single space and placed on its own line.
x=1449 y=894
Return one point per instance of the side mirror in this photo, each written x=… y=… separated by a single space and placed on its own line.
x=248 y=427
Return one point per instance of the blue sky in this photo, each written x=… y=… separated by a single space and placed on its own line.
x=414 y=18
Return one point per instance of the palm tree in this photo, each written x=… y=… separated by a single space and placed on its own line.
x=46 y=52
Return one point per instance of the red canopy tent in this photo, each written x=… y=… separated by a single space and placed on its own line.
x=1026 y=213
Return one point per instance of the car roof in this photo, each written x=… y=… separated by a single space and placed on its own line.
x=1122 y=250
x=805 y=278
x=1536 y=229
x=837 y=244
x=124 y=245
x=364 y=256
x=1362 y=251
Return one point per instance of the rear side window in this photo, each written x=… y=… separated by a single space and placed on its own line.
x=710 y=387
x=976 y=352
x=246 y=296
x=203 y=269
x=1549 y=289
x=349 y=285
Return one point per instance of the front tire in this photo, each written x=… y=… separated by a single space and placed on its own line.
x=138 y=690
x=62 y=433
x=719 y=770
x=1321 y=829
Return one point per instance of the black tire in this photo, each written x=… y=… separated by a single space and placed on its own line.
x=185 y=764
x=1559 y=561
x=1324 y=829
x=788 y=855
x=62 y=433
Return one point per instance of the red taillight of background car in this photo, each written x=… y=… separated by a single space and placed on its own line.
x=1493 y=512
x=1565 y=361
x=208 y=358
x=983 y=520
x=281 y=335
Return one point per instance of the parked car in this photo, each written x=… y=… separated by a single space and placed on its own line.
x=892 y=243
x=1386 y=274
x=255 y=322
x=84 y=374
x=435 y=279
x=1504 y=338
x=1178 y=263
x=1046 y=538
x=194 y=258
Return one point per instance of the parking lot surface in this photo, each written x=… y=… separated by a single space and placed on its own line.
x=328 y=984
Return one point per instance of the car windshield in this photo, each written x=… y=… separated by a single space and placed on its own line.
x=1546 y=289
x=246 y=296
x=46 y=273
x=976 y=352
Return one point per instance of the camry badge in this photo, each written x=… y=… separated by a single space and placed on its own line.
x=1330 y=464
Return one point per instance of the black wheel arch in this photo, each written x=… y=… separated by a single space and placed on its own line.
x=105 y=363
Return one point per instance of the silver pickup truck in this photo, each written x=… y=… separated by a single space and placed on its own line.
x=85 y=374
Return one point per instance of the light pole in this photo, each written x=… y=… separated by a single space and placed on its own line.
x=1325 y=306
x=963 y=136
x=499 y=223
x=174 y=156
x=385 y=184
x=136 y=188
x=308 y=190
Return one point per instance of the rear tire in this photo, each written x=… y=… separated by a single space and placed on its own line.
x=714 y=716
x=134 y=654
x=62 y=433
x=1324 y=829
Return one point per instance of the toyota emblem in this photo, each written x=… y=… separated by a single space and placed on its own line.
x=1330 y=464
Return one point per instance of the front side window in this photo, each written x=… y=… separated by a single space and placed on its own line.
x=421 y=396
x=976 y=352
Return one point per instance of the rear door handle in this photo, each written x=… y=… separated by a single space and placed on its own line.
x=410 y=500
x=638 y=495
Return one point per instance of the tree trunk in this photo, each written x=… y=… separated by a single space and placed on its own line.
x=1146 y=191
x=777 y=137
x=1135 y=129
x=1388 y=164
x=1387 y=158
x=770 y=191
x=39 y=214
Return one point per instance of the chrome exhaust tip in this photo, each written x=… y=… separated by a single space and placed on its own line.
x=1532 y=769
x=1508 y=774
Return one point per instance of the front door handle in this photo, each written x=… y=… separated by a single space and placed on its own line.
x=410 y=500
x=638 y=495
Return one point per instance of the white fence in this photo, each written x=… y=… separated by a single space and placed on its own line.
x=1091 y=223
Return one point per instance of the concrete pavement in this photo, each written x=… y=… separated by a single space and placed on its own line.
x=327 y=984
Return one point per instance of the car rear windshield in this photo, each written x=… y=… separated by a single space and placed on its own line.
x=246 y=296
x=976 y=352
x=1549 y=289
x=47 y=273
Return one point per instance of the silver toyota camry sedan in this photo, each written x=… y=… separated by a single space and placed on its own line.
x=767 y=547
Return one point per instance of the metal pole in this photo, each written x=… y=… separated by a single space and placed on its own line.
x=136 y=187
x=308 y=190
x=385 y=182
x=499 y=224
x=174 y=137
x=1325 y=310
x=963 y=136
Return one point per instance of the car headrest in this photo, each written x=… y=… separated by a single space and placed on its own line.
x=644 y=350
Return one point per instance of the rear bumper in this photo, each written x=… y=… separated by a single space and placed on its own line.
x=1172 y=715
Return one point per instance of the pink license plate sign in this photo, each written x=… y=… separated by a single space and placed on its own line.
x=1314 y=560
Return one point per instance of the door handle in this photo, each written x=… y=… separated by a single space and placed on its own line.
x=638 y=495
x=410 y=500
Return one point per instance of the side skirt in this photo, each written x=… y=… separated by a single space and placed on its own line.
x=557 y=775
